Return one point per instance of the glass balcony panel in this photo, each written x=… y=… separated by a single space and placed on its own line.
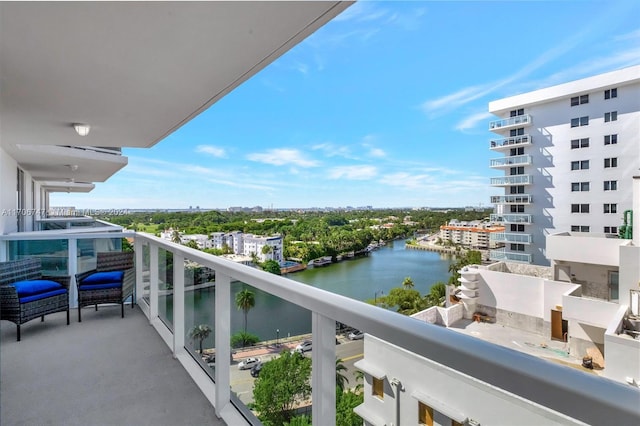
x=146 y=275
x=511 y=218
x=506 y=143
x=519 y=120
x=511 y=180
x=503 y=255
x=87 y=249
x=165 y=287
x=511 y=199
x=54 y=254
x=519 y=160
x=510 y=237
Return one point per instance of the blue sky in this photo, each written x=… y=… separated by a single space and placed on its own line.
x=384 y=106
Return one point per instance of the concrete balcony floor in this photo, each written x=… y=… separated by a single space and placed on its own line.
x=103 y=371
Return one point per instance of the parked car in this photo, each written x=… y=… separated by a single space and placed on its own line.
x=356 y=335
x=304 y=347
x=249 y=363
x=255 y=370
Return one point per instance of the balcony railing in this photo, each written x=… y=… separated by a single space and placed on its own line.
x=518 y=120
x=512 y=180
x=506 y=143
x=510 y=237
x=519 y=160
x=503 y=255
x=511 y=218
x=577 y=395
x=511 y=199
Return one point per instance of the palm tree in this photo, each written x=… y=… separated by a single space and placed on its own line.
x=360 y=380
x=175 y=237
x=407 y=283
x=341 y=379
x=245 y=300
x=200 y=332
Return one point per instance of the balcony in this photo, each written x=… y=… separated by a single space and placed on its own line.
x=512 y=180
x=512 y=142
x=511 y=218
x=506 y=237
x=511 y=199
x=149 y=389
x=511 y=122
x=507 y=256
x=503 y=162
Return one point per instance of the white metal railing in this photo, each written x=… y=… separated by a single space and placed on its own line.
x=511 y=199
x=503 y=255
x=573 y=393
x=510 y=237
x=518 y=120
x=511 y=180
x=510 y=218
x=518 y=160
x=505 y=143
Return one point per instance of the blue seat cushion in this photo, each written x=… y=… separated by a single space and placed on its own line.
x=39 y=296
x=103 y=278
x=101 y=286
x=33 y=287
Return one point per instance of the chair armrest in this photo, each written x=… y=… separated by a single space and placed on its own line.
x=8 y=291
x=65 y=280
x=81 y=276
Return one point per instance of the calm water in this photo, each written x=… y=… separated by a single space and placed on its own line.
x=358 y=278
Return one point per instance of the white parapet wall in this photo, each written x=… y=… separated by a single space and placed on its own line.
x=622 y=352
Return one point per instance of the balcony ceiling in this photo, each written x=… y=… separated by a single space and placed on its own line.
x=135 y=72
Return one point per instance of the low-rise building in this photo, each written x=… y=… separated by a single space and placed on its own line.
x=471 y=234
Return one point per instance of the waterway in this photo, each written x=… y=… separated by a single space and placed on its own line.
x=361 y=278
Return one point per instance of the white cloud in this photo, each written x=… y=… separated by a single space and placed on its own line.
x=281 y=157
x=236 y=184
x=472 y=121
x=212 y=150
x=377 y=152
x=362 y=172
x=332 y=150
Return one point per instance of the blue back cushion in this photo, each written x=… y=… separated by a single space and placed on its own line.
x=103 y=278
x=31 y=287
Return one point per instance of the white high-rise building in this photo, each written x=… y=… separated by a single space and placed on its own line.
x=570 y=152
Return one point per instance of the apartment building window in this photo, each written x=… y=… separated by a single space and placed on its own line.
x=517 y=208
x=579 y=143
x=579 y=228
x=377 y=388
x=610 y=185
x=516 y=151
x=516 y=132
x=519 y=189
x=610 y=229
x=579 y=186
x=580 y=165
x=610 y=139
x=578 y=100
x=516 y=112
x=610 y=162
x=425 y=414
x=610 y=116
x=580 y=121
x=611 y=93
x=579 y=208
x=517 y=247
x=517 y=227
x=516 y=170
x=610 y=208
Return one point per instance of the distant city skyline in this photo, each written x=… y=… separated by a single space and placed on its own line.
x=385 y=106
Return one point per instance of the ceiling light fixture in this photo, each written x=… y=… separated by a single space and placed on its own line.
x=82 y=129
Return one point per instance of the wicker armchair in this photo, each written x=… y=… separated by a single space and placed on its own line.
x=26 y=294
x=112 y=281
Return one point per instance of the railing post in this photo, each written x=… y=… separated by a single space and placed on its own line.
x=72 y=262
x=139 y=262
x=223 y=342
x=323 y=375
x=178 y=303
x=153 y=282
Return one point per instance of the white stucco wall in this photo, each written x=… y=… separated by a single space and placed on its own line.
x=553 y=292
x=8 y=167
x=622 y=359
x=509 y=292
x=453 y=392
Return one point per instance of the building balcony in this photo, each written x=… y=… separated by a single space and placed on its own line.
x=506 y=237
x=504 y=162
x=144 y=386
x=512 y=142
x=511 y=218
x=507 y=256
x=511 y=122
x=511 y=199
x=512 y=180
